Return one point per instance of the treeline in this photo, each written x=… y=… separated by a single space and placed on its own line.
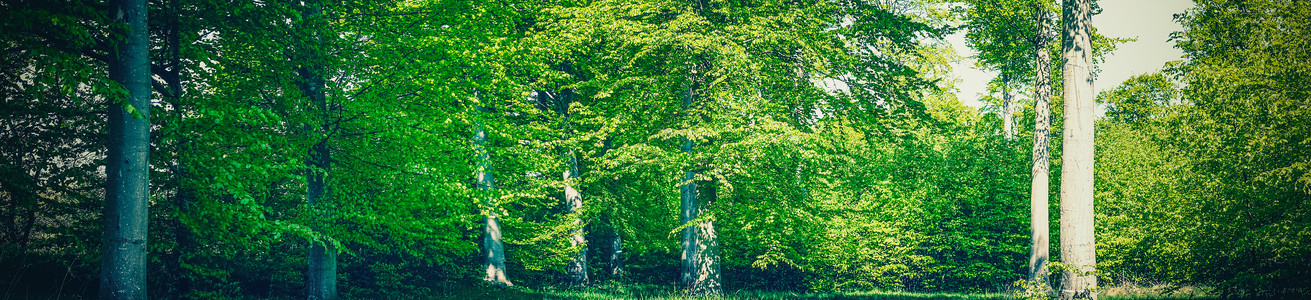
x=1203 y=168
x=385 y=149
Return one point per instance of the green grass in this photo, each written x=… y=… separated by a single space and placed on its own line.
x=756 y=295
x=654 y=292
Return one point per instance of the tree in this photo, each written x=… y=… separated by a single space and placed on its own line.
x=493 y=246
x=123 y=267
x=321 y=281
x=1244 y=84
x=1139 y=98
x=1077 y=239
x=700 y=242
x=577 y=266
x=1038 y=190
x=55 y=92
x=1001 y=30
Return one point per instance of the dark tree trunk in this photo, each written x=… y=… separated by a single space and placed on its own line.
x=321 y=273
x=127 y=190
x=688 y=209
x=171 y=73
x=700 y=257
x=615 y=266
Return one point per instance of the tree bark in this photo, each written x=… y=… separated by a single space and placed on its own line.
x=321 y=276
x=127 y=190
x=700 y=272
x=706 y=259
x=1038 y=196
x=1077 y=240
x=493 y=248
x=577 y=268
x=615 y=266
x=171 y=74
x=687 y=207
x=1007 y=107
x=321 y=281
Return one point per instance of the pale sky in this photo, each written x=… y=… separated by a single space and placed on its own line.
x=1150 y=21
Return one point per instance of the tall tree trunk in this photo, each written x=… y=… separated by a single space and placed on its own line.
x=707 y=281
x=186 y=242
x=700 y=272
x=577 y=268
x=127 y=190
x=1007 y=106
x=321 y=281
x=493 y=248
x=171 y=74
x=687 y=207
x=1038 y=196
x=1077 y=240
x=321 y=276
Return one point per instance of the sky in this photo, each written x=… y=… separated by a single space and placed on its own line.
x=1150 y=21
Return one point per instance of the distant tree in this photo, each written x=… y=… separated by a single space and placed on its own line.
x=1139 y=98
x=1003 y=31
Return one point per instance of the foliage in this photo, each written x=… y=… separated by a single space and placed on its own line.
x=1211 y=188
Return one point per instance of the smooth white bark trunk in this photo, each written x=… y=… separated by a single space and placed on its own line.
x=1039 y=188
x=1077 y=240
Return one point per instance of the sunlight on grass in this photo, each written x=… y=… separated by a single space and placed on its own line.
x=668 y=294
x=655 y=292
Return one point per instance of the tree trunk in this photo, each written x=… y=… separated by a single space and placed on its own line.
x=493 y=248
x=127 y=190
x=615 y=267
x=706 y=257
x=687 y=205
x=186 y=242
x=578 y=265
x=700 y=272
x=321 y=281
x=184 y=195
x=1038 y=196
x=1077 y=240
x=1007 y=107
x=321 y=276
x=577 y=268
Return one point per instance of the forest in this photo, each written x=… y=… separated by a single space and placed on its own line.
x=646 y=149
